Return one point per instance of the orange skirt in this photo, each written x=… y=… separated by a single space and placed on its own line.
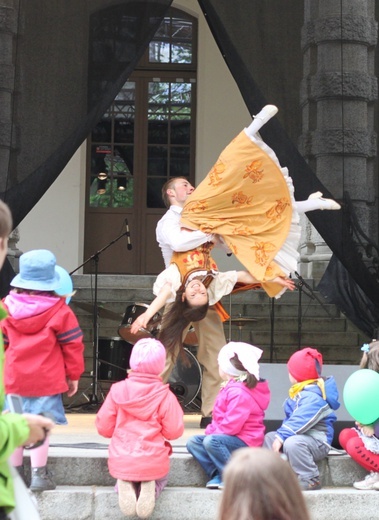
x=245 y=199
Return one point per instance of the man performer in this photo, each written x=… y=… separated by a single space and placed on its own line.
x=210 y=330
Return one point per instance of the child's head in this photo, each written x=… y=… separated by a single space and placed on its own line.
x=259 y=484
x=238 y=359
x=305 y=364
x=37 y=272
x=370 y=358
x=148 y=357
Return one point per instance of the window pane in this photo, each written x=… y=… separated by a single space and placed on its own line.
x=180 y=162
x=172 y=42
x=154 y=193
x=124 y=114
x=180 y=131
x=157 y=132
x=102 y=133
x=157 y=160
x=111 y=183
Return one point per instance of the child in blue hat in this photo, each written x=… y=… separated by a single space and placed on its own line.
x=43 y=350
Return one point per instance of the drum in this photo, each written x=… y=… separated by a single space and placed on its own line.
x=190 y=339
x=185 y=381
x=114 y=354
x=132 y=312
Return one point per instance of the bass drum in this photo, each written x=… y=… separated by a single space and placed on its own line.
x=132 y=312
x=185 y=381
x=114 y=355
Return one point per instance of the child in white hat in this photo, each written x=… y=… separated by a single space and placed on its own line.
x=238 y=413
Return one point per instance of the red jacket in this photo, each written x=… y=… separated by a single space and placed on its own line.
x=42 y=350
x=139 y=414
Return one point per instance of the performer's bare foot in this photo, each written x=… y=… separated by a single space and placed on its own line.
x=324 y=203
x=260 y=119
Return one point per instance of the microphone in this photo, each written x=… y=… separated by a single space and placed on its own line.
x=128 y=234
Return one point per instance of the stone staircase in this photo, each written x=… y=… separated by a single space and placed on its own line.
x=85 y=490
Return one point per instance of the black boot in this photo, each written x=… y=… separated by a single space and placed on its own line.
x=41 y=480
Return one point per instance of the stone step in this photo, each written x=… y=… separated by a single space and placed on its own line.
x=81 y=469
x=188 y=503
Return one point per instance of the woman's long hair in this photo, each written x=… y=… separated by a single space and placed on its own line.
x=176 y=320
x=260 y=485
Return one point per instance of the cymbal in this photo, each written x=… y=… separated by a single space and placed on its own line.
x=101 y=311
x=242 y=319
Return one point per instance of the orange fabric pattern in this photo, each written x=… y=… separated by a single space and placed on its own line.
x=245 y=199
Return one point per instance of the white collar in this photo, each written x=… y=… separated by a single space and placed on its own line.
x=176 y=209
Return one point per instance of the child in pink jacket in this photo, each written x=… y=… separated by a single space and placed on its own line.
x=139 y=414
x=238 y=412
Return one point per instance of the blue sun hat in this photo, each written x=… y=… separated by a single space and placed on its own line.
x=37 y=271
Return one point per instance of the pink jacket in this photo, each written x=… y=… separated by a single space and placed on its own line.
x=139 y=414
x=240 y=411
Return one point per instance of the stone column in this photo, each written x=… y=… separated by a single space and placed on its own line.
x=8 y=53
x=8 y=46
x=337 y=98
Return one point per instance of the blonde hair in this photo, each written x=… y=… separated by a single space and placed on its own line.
x=370 y=359
x=6 y=223
x=260 y=485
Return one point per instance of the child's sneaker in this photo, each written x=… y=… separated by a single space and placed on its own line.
x=214 y=483
x=146 y=499
x=126 y=497
x=310 y=485
x=368 y=482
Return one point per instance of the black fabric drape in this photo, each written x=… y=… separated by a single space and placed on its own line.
x=54 y=110
x=255 y=45
x=338 y=287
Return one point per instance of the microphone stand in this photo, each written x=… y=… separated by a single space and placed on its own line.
x=311 y=294
x=94 y=385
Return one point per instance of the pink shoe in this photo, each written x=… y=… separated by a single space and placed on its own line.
x=146 y=499
x=127 y=499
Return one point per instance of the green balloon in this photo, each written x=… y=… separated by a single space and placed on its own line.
x=361 y=396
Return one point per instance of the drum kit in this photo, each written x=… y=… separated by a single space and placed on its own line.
x=113 y=353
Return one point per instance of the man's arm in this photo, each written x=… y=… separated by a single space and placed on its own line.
x=170 y=234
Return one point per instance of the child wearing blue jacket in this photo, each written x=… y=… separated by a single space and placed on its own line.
x=307 y=431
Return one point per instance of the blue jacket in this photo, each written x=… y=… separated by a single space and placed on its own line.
x=308 y=413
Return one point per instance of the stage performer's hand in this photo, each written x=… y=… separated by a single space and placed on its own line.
x=285 y=282
x=140 y=323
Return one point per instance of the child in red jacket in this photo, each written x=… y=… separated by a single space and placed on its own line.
x=139 y=414
x=43 y=350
